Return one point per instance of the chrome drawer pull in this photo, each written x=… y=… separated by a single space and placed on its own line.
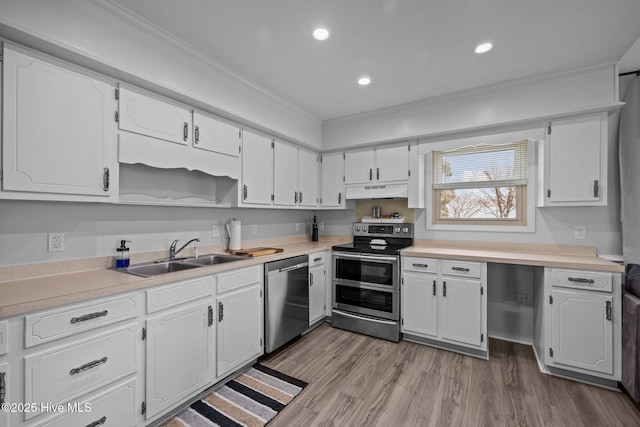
x=421 y=265
x=608 y=310
x=317 y=259
x=88 y=366
x=466 y=270
x=97 y=423
x=581 y=280
x=434 y=288
x=444 y=289
x=89 y=316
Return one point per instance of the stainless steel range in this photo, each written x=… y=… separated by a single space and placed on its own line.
x=366 y=279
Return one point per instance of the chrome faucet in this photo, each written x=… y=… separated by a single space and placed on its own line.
x=173 y=252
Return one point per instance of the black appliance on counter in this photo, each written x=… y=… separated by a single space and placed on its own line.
x=366 y=279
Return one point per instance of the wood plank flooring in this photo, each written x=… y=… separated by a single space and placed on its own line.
x=356 y=380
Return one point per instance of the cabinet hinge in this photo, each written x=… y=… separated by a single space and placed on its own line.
x=144 y=334
x=481 y=290
x=116 y=117
x=549 y=129
x=550 y=352
x=481 y=337
x=550 y=299
x=548 y=193
x=116 y=95
x=144 y=408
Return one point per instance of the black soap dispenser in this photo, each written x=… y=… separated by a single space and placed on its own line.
x=122 y=254
x=314 y=230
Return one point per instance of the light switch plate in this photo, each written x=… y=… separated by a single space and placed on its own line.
x=580 y=232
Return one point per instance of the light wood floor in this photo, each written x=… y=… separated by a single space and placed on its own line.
x=355 y=380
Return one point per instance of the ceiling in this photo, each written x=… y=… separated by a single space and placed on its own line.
x=411 y=49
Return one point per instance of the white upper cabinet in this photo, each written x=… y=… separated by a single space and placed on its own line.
x=58 y=134
x=257 y=169
x=382 y=164
x=151 y=115
x=308 y=177
x=574 y=162
x=332 y=180
x=285 y=174
x=215 y=135
x=359 y=166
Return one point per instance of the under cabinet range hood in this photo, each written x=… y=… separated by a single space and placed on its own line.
x=377 y=191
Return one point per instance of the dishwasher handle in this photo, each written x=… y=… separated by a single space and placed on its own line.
x=293 y=267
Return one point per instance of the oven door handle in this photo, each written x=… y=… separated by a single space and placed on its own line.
x=368 y=319
x=367 y=257
x=363 y=285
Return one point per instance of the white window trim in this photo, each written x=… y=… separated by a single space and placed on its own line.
x=488 y=139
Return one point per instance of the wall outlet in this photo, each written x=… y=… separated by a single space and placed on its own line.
x=580 y=232
x=321 y=226
x=297 y=226
x=215 y=231
x=254 y=229
x=56 y=242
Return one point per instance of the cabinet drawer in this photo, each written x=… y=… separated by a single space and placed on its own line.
x=53 y=324
x=316 y=259
x=461 y=268
x=115 y=407
x=597 y=281
x=426 y=265
x=4 y=337
x=238 y=278
x=66 y=372
x=179 y=293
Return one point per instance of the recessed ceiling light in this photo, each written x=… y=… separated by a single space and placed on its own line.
x=320 y=34
x=484 y=47
x=364 y=80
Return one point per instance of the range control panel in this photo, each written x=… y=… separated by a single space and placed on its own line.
x=383 y=230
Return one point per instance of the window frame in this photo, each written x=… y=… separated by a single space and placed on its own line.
x=526 y=197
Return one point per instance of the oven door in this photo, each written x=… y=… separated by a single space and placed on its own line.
x=363 y=269
x=375 y=301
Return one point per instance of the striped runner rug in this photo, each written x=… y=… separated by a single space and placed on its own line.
x=251 y=399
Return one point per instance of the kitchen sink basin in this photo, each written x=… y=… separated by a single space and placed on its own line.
x=214 y=259
x=158 y=268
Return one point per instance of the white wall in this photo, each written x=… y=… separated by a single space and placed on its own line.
x=95 y=229
x=94 y=34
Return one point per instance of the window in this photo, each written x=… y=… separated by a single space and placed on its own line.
x=481 y=185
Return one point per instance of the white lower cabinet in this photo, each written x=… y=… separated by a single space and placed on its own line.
x=317 y=287
x=240 y=318
x=440 y=305
x=4 y=379
x=583 y=325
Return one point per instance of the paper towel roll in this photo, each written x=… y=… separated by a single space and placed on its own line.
x=235 y=238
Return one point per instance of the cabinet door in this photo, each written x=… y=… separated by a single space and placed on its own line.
x=574 y=173
x=461 y=311
x=180 y=355
x=317 y=289
x=285 y=174
x=153 y=116
x=216 y=135
x=392 y=163
x=332 y=180
x=359 y=166
x=257 y=169
x=240 y=328
x=582 y=329
x=420 y=304
x=58 y=130
x=308 y=178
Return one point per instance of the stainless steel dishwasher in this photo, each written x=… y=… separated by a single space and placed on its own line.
x=287 y=300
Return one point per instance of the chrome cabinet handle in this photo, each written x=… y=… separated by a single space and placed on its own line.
x=89 y=316
x=220 y=311
x=300 y=198
x=444 y=289
x=295 y=196
x=98 y=423
x=466 y=270
x=580 y=280
x=421 y=265
x=370 y=174
x=434 y=288
x=310 y=279
x=596 y=188
x=105 y=179
x=185 y=131
x=317 y=259
x=608 y=310
x=339 y=198
x=196 y=134
x=244 y=192
x=88 y=366
x=378 y=174
x=210 y=316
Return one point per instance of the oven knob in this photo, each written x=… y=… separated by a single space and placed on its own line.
x=357 y=228
x=364 y=228
x=405 y=230
x=397 y=229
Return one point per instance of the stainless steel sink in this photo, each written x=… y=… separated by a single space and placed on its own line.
x=214 y=259
x=158 y=268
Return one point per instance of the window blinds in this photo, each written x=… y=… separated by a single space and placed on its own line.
x=481 y=166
